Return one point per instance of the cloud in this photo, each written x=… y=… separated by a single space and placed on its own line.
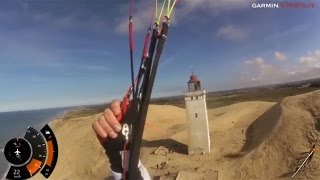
x=140 y=22
x=141 y=18
x=308 y=65
x=89 y=67
x=257 y=61
x=183 y=10
x=230 y=32
x=288 y=32
x=307 y=60
x=311 y=60
x=21 y=51
x=280 y=56
x=211 y=6
x=70 y=21
x=261 y=72
x=49 y=17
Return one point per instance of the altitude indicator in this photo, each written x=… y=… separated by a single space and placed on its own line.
x=36 y=151
x=18 y=151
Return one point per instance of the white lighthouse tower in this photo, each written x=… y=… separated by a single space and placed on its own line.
x=198 y=127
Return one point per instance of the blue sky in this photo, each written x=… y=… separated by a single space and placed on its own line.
x=72 y=52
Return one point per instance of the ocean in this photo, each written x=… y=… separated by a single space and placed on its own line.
x=15 y=124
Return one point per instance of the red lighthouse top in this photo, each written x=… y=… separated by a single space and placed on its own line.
x=194 y=83
x=193 y=78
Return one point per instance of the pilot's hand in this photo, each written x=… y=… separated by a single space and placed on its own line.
x=107 y=129
x=107 y=124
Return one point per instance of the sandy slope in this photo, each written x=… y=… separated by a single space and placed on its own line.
x=285 y=148
x=250 y=140
x=80 y=154
x=227 y=130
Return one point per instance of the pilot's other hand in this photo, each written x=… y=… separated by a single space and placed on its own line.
x=107 y=125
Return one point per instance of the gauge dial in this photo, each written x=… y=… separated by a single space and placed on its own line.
x=37 y=151
x=18 y=151
x=52 y=153
x=39 y=147
x=27 y=155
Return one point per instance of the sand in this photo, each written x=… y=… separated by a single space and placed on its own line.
x=249 y=140
x=285 y=148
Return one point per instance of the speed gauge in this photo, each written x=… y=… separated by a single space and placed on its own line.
x=36 y=151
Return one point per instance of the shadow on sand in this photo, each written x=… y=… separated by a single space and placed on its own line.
x=259 y=130
x=170 y=144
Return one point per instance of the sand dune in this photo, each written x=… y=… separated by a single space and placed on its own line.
x=249 y=140
x=285 y=148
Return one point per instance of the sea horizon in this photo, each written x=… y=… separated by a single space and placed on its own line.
x=47 y=108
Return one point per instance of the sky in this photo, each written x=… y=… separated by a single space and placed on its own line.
x=57 y=53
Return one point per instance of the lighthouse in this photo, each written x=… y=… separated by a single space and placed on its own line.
x=198 y=127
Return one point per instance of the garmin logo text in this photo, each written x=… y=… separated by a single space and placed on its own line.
x=283 y=5
x=265 y=5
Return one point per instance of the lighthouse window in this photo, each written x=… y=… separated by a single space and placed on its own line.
x=196 y=115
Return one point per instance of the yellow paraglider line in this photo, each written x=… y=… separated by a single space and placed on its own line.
x=156 y=14
x=159 y=18
x=171 y=10
x=168 y=8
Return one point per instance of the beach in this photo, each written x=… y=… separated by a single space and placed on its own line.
x=249 y=140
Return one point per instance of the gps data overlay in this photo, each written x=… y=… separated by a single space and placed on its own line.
x=36 y=152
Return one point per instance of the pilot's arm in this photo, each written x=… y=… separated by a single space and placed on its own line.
x=108 y=126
